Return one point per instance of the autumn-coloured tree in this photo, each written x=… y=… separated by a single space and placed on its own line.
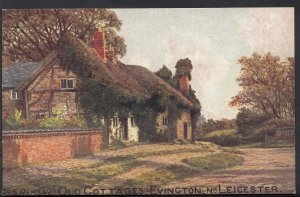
x=30 y=34
x=268 y=85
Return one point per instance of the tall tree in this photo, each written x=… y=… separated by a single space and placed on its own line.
x=165 y=74
x=183 y=67
x=267 y=85
x=32 y=34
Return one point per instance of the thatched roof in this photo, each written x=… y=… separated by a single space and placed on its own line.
x=136 y=80
x=133 y=79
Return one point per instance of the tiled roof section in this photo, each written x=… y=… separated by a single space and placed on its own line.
x=16 y=73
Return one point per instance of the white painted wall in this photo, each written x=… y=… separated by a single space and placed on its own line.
x=116 y=131
x=133 y=131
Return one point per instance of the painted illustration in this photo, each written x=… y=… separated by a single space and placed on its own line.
x=148 y=101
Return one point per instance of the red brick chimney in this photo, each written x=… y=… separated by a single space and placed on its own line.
x=99 y=43
x=184 y=84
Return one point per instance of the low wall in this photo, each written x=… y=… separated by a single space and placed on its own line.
x=19 y=148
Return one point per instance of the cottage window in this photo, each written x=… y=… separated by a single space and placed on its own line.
x=165 y=121
x=40 y=116
x=115 y=121
x=132 y=121
x=14 y=95
x=70 y=84
x=67 y=84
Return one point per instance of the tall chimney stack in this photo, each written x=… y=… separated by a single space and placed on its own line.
x=184 y=84
x=99 y=43
x=183 y=71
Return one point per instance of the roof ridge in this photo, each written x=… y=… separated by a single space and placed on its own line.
x=42 y=64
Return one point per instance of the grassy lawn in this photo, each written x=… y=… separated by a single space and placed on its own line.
x=220 y=133
x=215 y=161
x=160 y=176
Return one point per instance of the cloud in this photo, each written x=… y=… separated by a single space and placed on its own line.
x=270 y=30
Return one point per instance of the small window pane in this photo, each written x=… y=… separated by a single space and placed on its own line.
x=63 y=83
x=14 y=95
x=70 y=83
x=132 y=121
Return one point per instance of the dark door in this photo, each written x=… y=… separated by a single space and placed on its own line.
x=185 y=130
x=125 y=129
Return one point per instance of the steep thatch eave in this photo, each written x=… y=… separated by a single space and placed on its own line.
x=133 y=80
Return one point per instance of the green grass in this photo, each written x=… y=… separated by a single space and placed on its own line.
x=215 y=161
x=222 y=137
x=220 y=133
x=160 y=176
x=232 y=150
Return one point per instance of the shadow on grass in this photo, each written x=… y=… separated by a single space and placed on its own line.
x=192 y=167
x=73 y=179
x=160 y=177
x=156 y=153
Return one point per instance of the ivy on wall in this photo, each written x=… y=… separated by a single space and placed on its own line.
x=101 y=98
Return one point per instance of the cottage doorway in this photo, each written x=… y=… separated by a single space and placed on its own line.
x=125 y=137
x=185 y=130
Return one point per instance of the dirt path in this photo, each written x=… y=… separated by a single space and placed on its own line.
x=262 y=167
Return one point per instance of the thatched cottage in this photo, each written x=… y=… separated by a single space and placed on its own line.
x=43 y=89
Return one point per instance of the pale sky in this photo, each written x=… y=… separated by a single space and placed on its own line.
x=213 y=39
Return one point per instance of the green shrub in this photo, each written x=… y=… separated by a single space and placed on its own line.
x=51 y=123
x=59 y=122
x=248 y=120
x=74 y=123
x=267 y=128
x=29 y=124
x=118 y=143
x=223 y=137
x=14 y=121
